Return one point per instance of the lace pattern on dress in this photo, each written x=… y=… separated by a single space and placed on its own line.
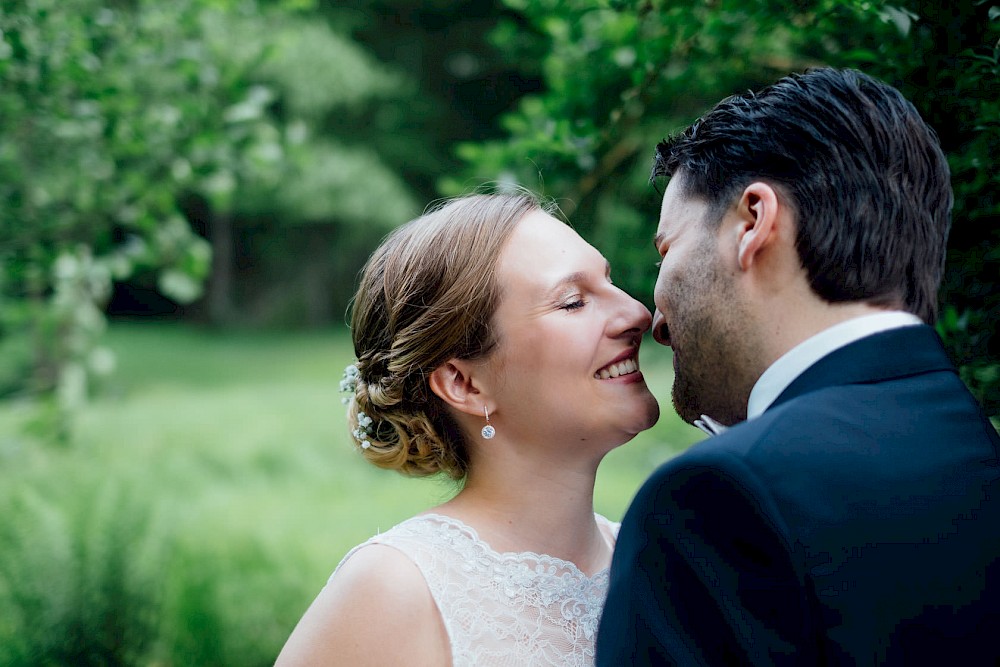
x=502 y=608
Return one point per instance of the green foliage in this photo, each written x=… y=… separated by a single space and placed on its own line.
x=79 y=576
x=461 y=81
x=958 y=90
x=112 y=114
x=209 y=496
x=229 y=603
x=620 y=76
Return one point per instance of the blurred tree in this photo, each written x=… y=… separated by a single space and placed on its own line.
x=450 y=83
x=114 y=116
x=462 y=80
x=619 y=76
x=950 y=67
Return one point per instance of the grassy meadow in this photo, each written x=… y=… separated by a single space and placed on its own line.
x=208 y=494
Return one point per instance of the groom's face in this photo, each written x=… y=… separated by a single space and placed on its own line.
x=699 y=312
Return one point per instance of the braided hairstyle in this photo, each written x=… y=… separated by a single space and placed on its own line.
x=426 y=295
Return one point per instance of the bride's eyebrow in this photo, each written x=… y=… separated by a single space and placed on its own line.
x=574 y=279
x=570 y=280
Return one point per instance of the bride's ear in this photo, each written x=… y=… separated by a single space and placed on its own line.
x=454 y=383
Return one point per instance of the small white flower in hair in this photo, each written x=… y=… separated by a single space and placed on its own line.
x=349 y=382
x=364 y=430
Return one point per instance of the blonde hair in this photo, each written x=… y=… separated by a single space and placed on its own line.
x=427 y=295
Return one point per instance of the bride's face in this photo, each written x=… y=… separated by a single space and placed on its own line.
x=566 y=367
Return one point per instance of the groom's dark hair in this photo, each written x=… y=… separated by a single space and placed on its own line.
x=864 y=173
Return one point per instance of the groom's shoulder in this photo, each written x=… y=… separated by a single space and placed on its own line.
x=785 y=434
x=725 y=454
x=863 y=428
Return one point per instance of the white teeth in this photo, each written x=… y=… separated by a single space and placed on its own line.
x=617 y=370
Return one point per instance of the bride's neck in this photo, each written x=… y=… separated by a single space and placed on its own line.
x=526 y=506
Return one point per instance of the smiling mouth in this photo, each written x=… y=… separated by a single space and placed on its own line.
x=626 y=367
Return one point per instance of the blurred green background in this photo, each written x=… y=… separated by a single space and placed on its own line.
x=188 y=189
x=208 y=494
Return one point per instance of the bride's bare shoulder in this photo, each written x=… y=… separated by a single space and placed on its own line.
x=375 y=610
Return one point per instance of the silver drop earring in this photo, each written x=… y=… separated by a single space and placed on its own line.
x=488 y=430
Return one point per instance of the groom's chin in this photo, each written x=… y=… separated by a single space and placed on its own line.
x=685 y=405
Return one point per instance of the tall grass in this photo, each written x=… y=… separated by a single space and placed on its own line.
x=206 y=498
x=79 y=568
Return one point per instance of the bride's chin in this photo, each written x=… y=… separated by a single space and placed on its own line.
x=651 y=414
x=641 y=424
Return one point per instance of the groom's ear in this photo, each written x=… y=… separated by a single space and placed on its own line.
x=759 y=211
x=455 y=382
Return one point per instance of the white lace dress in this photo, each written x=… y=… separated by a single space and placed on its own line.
x=516 y=609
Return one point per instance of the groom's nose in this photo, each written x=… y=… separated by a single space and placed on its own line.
x=661 y=332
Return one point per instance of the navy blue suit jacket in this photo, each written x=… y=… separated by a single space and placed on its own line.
x=855 y=522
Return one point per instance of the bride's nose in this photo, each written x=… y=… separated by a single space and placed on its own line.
x=633 y=317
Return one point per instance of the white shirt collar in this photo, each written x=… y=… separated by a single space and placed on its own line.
x=794 y=362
